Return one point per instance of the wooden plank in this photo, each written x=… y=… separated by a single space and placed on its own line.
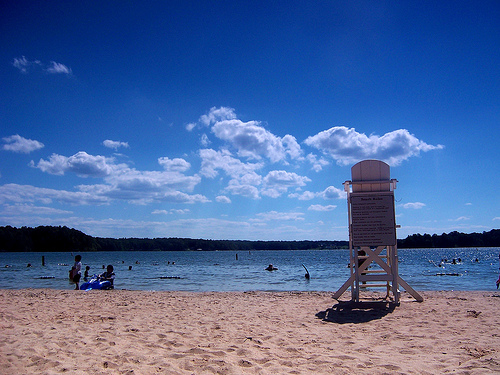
x=410 y=290
x=379 y=277
x=344 y=287
x=373 y=286
x=367 y=170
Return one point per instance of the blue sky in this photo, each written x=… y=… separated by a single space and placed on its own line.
x=241 y=120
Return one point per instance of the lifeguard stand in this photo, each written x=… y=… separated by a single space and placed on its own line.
x=372 y=232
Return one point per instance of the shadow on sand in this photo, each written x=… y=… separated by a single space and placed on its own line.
x=356 y=312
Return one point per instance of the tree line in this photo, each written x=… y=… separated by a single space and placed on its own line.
x=452 y=239
x=52 y=238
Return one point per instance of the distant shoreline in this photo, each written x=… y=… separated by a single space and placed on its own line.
x=50 y=238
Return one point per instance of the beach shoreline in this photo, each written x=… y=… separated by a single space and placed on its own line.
x=46 y=331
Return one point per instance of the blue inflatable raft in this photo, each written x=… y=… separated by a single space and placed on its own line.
x=95 y=283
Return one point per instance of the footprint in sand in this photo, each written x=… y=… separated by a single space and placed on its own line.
x=244 y=363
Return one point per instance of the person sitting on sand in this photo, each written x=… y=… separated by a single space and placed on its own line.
x=271 y=268
x=109 y=275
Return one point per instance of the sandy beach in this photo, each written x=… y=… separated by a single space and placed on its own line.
x=136 y=332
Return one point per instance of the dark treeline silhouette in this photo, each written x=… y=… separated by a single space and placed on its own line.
x=45 y=239
x=452 y=239
x=50 y=238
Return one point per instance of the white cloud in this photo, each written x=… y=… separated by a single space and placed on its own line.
x=25 y=65
x=85 y=165
x=21 y=63
x=244 y=180
x=82 y=164
x=204 y=141
x=222 y=199
x=305 y=196
x=30 y=209
x=216 y=115
x=249 y=139
x=347 y=146
x=461 y=218
x=250 y=178
x=115 y=144
x=235 y=187
x=212 y=160
x=16 y=143
x=180 y=211
x=146 y=187
x=160 y=212
x=180 y=197
x=331 y=192
x=317 y=164
x=171 y=211
x=253 y=141
x=318 y=207
x=57 y=164
x=28 y=194
x=414 y=205
x=274 y=215
x=278 y=182
x=144 y=182
x=125 y=183
x=292 y=147
x=176 y=164
x=58 y=68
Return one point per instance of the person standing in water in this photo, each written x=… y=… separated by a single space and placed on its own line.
x=86 y=274
x=77 y=271
x=498 y=281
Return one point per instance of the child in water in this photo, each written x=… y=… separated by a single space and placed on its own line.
x=109 y=275
x=86 y=274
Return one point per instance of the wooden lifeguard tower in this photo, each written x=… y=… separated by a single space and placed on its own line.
x=372 y=232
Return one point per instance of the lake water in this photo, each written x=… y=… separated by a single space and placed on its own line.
x=202 y=271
